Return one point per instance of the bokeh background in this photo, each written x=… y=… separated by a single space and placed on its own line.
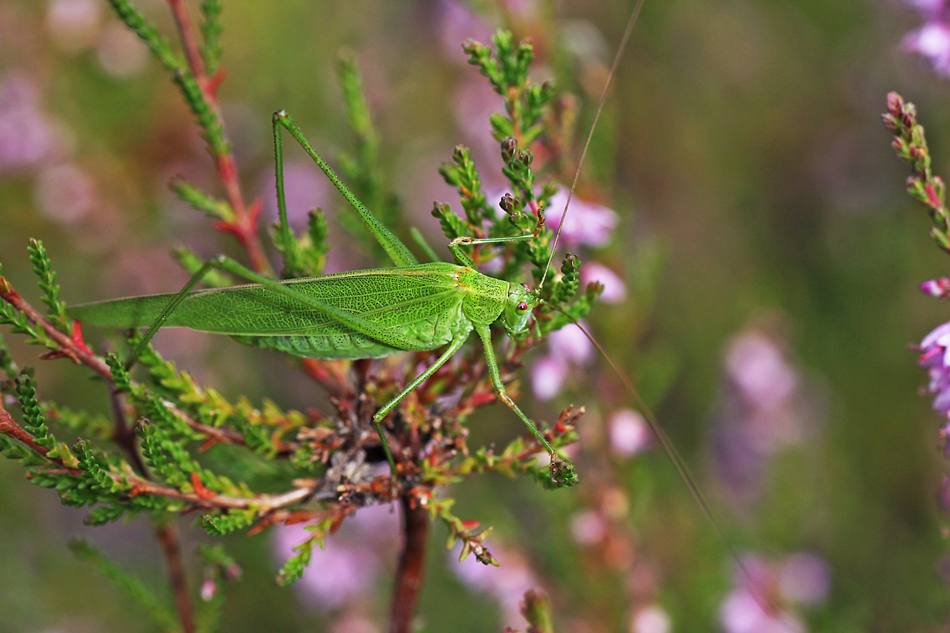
x=762 y=274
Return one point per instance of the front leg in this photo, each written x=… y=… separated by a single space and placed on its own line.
x=562 y=470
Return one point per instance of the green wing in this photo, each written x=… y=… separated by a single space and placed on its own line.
x=421 y=303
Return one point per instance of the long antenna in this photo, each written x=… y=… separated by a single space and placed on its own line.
x=590 y=133
x=764 y=601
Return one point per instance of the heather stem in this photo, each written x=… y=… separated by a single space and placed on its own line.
x=415 y=524
x=171 y=547
x=244 y=226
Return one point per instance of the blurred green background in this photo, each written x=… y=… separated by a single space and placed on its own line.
x=762 y=216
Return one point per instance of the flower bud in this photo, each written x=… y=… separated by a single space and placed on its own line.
x=939 y=288
x=508 y=148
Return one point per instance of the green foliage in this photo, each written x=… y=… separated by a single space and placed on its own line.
x=157 y=609
x=296 y=565
x=227 y=522
x=464 y=177
x=305 y=255
x=199 y=200
x=20 y=324
x=362 y=169
x=158 y=45
x=211 y=29
x=33 y=421
x=7 y=366
x=507 y=70
x=566 y=287
x=911 y=147
x=206 y=115
x=43 y=269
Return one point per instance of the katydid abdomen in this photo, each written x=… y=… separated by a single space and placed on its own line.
x=421 y=303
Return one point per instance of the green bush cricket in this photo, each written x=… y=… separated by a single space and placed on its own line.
x=360 y=314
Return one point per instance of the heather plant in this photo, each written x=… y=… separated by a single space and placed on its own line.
x=170 y=447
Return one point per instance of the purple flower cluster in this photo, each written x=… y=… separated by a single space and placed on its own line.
x=347 y=569
x=932 y=39
x=935 y=358
x=800 y=580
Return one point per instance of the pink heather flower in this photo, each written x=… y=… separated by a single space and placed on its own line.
x=588 y=527
x=66 y=193
x=939 y=288
x=347 y=568
x=305 y=189
x=802 y=579
x=931 y=8
x=27 y=137
x=805 y=579
x=629 y=433
x=741 y=613
x=614 y=289
x=73 y=25
x=121 y=53
x=568 y=346
x=586 y=224
x=570 y=343
x=548 y=374
x=757 y=367
x=932 y=41
x=650 y=619
x=209 y=587
x=935 y=358
x=336 y=575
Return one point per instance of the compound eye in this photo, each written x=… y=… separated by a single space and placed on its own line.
x=522 y=307
x=526 y=287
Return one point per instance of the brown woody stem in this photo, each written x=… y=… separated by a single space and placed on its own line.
x=171 y=547
x=415 y=524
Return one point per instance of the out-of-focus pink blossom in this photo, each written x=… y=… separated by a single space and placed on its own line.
x=570 y=343
x=614 y=289
x=629 y=433
x=805 y=579
x=305 y=189
x=586 y=224
x=588 y=527
x=506 y=584
x=764 y=409
x=801 y=580
x=758 y=368
x=740 y=613
x=27 y=137
x=939 y=288
x=568 y=346
x=120 y=52
x=548 y=374
x=932 y=8
x=347 y=568
x=73 y=25
x=456 y=22
x=209 y=587
x=354 y=623
x=65 y=193
x=336 y=575
x=932 y=41
x=650 y=619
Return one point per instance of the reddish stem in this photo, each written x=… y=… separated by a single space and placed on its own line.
x=171 y=547
x=415 y=523
x=244 y=226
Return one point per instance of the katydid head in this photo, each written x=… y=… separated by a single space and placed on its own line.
x=521 y=301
